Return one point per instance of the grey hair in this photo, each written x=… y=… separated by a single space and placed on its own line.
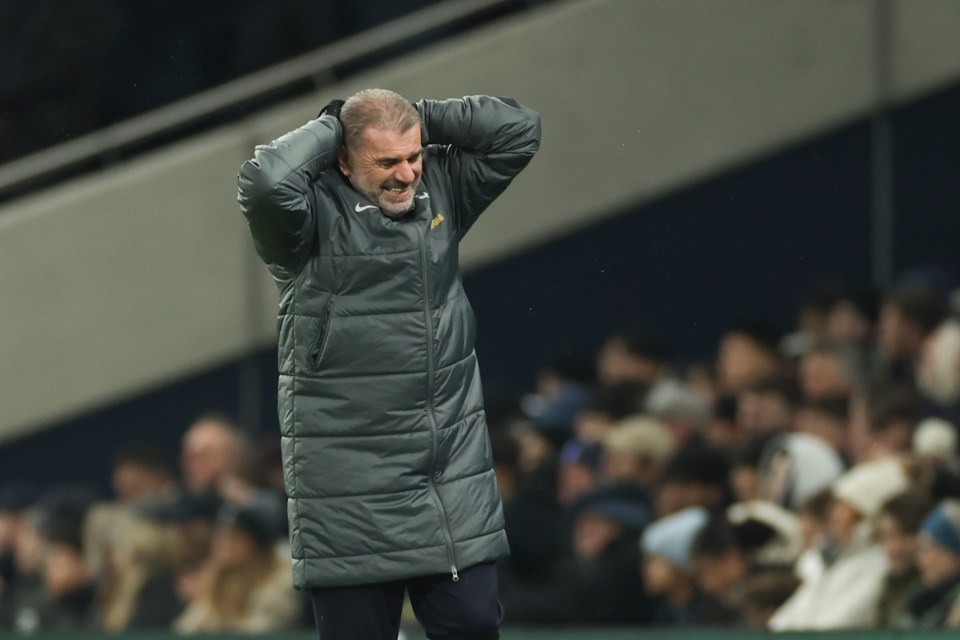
x=376 y=108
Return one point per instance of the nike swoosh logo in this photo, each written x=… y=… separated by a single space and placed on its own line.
x=422 y=196
x=358 y=208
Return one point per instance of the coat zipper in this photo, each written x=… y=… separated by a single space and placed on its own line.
x=431 y=416
x=317 y=353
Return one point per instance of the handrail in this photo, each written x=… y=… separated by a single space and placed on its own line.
x=241 y=91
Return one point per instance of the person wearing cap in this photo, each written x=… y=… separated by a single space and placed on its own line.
x=599 y=584
x=795 y=466
x=938 y=559
x=637 y=450
x=749 y=537
x=248 y=588
x=843 y=580
x=668 y=572
x=936 y=441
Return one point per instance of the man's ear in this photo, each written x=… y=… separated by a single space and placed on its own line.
x=343 y=162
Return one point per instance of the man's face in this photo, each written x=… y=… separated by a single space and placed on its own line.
x=385 y=168
x=207 y=453
x=936 y=563
x=900 y=545
x=719 y=574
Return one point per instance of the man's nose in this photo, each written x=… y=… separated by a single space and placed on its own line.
x=405 y=172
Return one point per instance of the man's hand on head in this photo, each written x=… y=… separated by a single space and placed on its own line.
x=332 y=108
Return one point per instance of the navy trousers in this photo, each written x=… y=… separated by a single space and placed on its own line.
x=467 y=609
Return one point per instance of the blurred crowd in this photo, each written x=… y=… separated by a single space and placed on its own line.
x=198 y=547
x=798 y=482
x=805 y=481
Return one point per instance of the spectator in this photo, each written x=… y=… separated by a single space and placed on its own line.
x=811 y=320
x=559 y=413
x=935 y=440
x=749 y=537
x=65 y=601
x=629 y=358
x=554 y=377
x=211 y=446
x=852 y=317
x=747 y=355
x=15 y=501
x=898 y=526
x=767 y=406
x=132 y=559
x=795 y=466
x=609 y=405
x=722 y=429
x=828 y=371
x=745 y=473
x=535 y=524
x=843 y=582
x=938 y=560
x=700 y=377
x=27 y=590
x=191 y=521
x=668 y=572
x=826 y=419
x=637 y=451
x=908 y=316
x=698 y=476
x=143 y=474
x=599 y=584
x=892 y=414
x=248 y=588
x=938 y=376
x=682 y=409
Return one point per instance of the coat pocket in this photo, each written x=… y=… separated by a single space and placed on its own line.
x=316 y=354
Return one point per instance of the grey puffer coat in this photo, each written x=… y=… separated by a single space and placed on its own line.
x=385 y=449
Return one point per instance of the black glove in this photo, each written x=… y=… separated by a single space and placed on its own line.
x=332 y=109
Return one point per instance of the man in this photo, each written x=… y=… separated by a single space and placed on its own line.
x=211 y=447
x=143 y=475
x=358 y=215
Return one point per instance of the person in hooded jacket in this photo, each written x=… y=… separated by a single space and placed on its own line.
x=937 y=605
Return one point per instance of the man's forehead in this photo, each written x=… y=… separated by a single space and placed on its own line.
x=385 y=143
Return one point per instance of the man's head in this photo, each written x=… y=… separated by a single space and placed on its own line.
x=907 y=317
x=898 y=525
x=211 y=446
x=632 y=358
x=767 y=406
x=719 y=562
x=142 y=473
x=747 y=354
x=827 y=370
x=381 y=154
x=637 y=451
x=859 y=494
x=938 y=547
